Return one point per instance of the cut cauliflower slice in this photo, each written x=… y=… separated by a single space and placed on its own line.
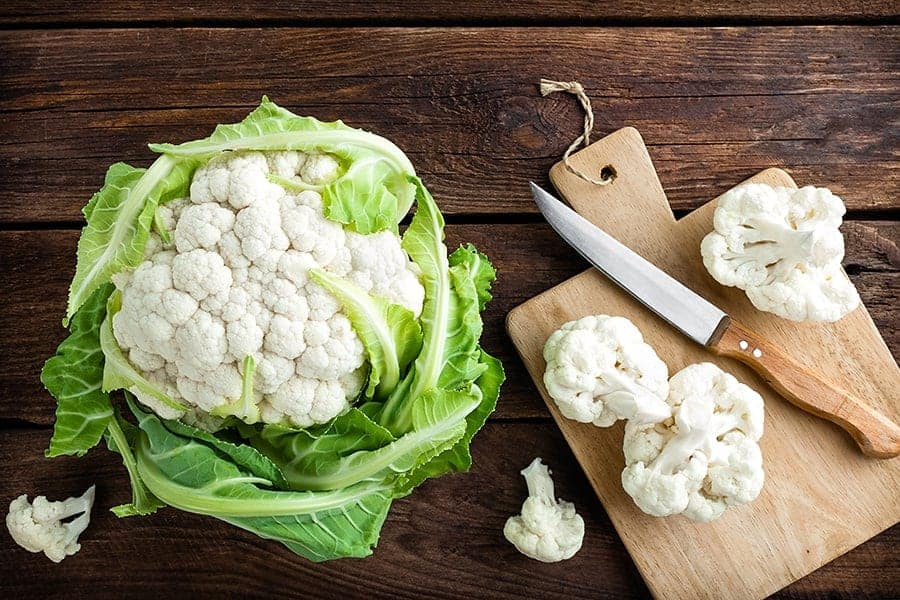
x=599 y=370
x=38 y=526
x=704 y=458
x=782 y=247
x=547 y=530
x=234 y=283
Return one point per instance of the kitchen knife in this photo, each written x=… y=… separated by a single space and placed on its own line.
x=709 y=326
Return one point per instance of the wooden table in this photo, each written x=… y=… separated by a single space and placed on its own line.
x=718 y=95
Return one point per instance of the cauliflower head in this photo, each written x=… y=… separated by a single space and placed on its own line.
x=547 y=530
x=599 y=370
x=782 y=246
x=38 y=526
x=704 y=458
x=224 y=295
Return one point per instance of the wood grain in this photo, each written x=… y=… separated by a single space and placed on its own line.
x=392 y=12
x=530 y=258
x=805 y=516
x=715 y=104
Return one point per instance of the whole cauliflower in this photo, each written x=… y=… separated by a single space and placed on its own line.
x=38 y=526
x=599 y=370
x=233 y=283
x=782 y=247
x=547 y=530
x=705 y=457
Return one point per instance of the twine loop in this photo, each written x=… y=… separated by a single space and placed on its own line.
x=548 y=86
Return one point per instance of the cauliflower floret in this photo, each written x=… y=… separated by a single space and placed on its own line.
x=234 y=283
x=782 y=247
x=286 y=164
x=599 y=370
x=319 y=169
x=305 y=402
x=236 y=179
x=379 y=266
x=202 y=226
x=547 y=530
x=38 y=526
x=704 y=458
x=211 y=389
x=201 y=273
x=259 y=228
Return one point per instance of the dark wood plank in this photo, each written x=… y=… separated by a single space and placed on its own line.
x=530 y=258
x=714 y=105
x=444 y=541
x=392 y=12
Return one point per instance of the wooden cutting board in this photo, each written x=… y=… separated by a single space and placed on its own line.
x=821 y=498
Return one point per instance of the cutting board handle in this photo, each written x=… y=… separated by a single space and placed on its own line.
x=876 y=435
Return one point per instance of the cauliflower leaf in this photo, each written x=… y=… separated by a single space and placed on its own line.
x=74 y=376
x=191 y=475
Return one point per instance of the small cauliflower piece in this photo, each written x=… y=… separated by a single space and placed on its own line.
x=599 y=370
x=704 y=458
x=782 y=247
x=547 y=530
x=38 y=526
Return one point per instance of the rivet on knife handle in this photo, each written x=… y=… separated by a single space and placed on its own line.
x=876 y=434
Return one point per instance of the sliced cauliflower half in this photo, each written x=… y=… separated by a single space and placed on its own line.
x=547 y=530
x=38 y=526
x=704 y=458
x=599 y=370
x=234 y=283
x=782 y=246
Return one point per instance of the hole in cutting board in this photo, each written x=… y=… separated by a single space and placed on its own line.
x=608 y=173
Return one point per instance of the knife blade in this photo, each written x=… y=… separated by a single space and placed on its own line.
x=681 y=307
x=876 y=434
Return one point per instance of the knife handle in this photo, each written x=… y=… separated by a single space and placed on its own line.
x=876 y=435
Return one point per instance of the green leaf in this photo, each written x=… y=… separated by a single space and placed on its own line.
x=119 y=218
x=118 y=372
x=480 y=270
x=456 y=289
x=370 y=194
x=353 y=449
x=361 y=198
x=190 y=475
x=293 y=184
x=389 y=332
x=121 y=437
x=310 y=457
x=243 y=455
x=458 y=458
x=74 y=376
